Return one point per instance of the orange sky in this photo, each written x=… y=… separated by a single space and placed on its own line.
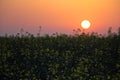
x=60 y=16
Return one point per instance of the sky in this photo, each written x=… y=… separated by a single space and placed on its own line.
x=60 y=16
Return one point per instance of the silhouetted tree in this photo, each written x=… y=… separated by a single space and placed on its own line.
x=39 y=32
x=119 y=31
x=110 y=31
x=22 y=32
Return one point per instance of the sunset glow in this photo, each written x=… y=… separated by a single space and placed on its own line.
x=60 y=16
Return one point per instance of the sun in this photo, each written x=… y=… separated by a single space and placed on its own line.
x=85 y=24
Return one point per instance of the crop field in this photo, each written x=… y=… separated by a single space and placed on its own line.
x=60 y=57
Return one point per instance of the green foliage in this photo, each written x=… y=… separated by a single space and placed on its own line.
x=61 y=57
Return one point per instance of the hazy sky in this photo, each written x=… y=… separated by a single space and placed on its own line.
x=60 y=16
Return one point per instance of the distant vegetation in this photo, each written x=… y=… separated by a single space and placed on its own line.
x=60 y=57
